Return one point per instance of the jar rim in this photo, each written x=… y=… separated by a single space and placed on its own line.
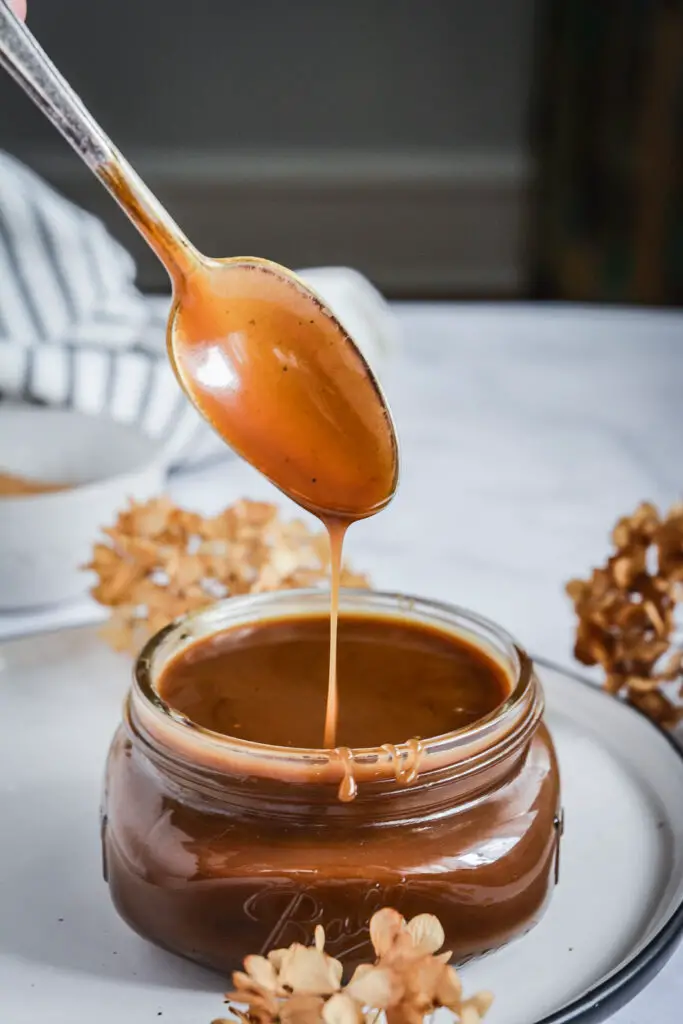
x=240 y=610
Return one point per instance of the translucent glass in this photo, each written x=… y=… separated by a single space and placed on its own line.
x=216 y=847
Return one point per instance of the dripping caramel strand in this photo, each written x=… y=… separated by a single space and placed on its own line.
x=406 y=773
x=348 y=787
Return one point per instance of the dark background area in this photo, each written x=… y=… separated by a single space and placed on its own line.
x=449 y=148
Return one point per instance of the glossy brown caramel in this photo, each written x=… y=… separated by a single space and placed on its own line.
x=397 y=679
x=212 y=861
x=276 y=376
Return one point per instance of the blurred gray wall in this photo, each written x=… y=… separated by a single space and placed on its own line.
x=387 y=134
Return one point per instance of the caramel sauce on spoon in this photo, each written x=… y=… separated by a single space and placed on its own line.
x=275 y=374
x=256 y=351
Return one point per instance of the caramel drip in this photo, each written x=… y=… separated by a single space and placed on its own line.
x=348 y=787
x=407 y=772
x=411 y=768
x=391 y=750
x=336 y=530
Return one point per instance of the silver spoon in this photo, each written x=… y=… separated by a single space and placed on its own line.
x=256 y=351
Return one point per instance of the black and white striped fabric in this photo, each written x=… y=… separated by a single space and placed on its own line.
x=75 y=331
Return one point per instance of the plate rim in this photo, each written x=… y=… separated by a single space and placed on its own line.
x=609 y=995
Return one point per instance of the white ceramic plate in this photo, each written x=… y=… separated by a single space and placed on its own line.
x=66 y=958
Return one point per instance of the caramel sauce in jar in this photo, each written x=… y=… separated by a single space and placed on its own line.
x=217 y=844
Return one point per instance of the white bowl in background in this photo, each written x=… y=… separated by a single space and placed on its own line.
x=46 y=538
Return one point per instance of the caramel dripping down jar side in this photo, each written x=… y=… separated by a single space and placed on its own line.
x=215 y=848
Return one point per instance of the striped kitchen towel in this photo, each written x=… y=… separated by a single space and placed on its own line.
x=76 y=332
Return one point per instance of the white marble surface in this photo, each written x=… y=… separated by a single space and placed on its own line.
x=525 y=432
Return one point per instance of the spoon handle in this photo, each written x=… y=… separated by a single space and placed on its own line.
x=26 y=61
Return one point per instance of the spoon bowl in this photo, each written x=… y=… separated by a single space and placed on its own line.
x=274 y=372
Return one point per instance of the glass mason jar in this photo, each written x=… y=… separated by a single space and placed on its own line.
x=216 y=847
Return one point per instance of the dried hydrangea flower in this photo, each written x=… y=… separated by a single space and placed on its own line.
x=423 y=980
x=408 y=981
x=625 y=612
x=159 y=561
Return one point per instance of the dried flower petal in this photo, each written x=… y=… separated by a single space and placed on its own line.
x=385 y=926
x=469 y=1015
x=276 y=956
x=262 y=972
x=482 y=1002
x=306 y=969
x=160 y=561
x=375 y=986
x=447 y=989
x=426 y=933
x=342 y=1009
x=319 y=938
x=407 y=982
x=301 y=1008
x=625 y=611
